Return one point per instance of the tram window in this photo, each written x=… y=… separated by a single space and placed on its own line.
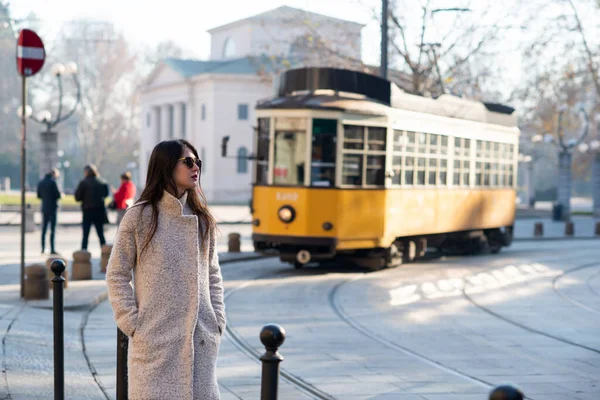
x=444 y=148
x=467 y=148
x=322 y=172
x=409 y=171
x=421 y=165
x=397 y=168
x=432 y=171
x=411 y=142
x=352 y=169
x=458 y=147
x=422 y=143
x=262 y=151
x=354 y=137
x=375 y=170
x=290 y=158
x=443 y=172
x=399 y=140
x=433 y=144
x=376 y=138
x=479 y=149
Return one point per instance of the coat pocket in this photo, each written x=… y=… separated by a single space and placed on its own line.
x=139 y=321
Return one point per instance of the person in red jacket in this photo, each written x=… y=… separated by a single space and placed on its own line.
x=124 y=196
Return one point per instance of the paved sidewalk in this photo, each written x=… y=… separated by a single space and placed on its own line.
x=26 y=333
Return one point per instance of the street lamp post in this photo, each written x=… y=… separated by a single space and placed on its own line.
x=49 y=137
x=565 y=159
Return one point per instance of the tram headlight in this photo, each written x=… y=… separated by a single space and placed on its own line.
x=286 y=214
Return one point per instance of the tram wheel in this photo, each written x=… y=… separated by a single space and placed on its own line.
x=393 y=256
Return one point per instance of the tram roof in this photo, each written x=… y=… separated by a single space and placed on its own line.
x=345 y=90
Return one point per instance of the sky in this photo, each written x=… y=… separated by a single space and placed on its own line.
x=186 y=22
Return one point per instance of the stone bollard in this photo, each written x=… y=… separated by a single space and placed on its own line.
x=597 y=231
x=36 y=283
x=538 y=229
x=51 y=274
x=234 y=242
x=106 y=250
x=506 y=392
x=569 y=228
x=272 y=337
x=82 y=265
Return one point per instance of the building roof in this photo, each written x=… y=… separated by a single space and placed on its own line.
x=248 y=65
x=282 y=13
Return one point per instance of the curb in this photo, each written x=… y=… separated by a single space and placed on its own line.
x=104 y=294
x=555 y=239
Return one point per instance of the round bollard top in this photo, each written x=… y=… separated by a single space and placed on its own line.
x=272 y=336
x=58 y=267
x=234 y=235
x=506 y=392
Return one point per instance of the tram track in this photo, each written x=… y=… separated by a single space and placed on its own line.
x=249 y=350
x=338 y=309
x=555 y=286
x=334 y=302
x=528 y=328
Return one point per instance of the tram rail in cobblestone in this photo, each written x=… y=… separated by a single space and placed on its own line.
x=247 y=349
x=529 y=328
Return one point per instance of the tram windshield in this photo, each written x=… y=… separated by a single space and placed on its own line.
x=289 y=158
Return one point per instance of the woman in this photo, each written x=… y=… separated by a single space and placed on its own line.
x=174 y=314
x=123 y=197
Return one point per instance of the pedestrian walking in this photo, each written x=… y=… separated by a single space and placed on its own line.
x=48 y=190
x=92 y=192
x=174 y=314
x=123 y=197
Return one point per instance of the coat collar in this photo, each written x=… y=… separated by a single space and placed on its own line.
x=172 y=204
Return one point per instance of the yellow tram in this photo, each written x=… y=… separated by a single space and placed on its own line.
x=349 y=165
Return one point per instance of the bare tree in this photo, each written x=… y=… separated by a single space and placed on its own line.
x=453 y=59
x=105 y=125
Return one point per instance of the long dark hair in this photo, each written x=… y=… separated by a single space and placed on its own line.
x=159 y=178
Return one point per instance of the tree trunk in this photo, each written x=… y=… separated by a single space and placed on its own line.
x=564 y=183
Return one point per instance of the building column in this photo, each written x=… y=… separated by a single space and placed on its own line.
x=177 y=131
x=154 y=134
x=164 y=122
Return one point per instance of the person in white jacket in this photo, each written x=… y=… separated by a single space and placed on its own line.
x=174 y=314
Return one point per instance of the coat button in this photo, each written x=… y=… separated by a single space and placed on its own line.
x=202 y=342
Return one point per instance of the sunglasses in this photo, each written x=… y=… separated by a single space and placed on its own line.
x=189 y=161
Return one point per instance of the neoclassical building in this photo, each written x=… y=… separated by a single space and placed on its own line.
x=204 y=100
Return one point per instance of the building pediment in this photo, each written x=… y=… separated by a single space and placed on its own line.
x=163 y=75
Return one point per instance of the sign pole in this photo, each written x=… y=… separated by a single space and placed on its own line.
x=30 y=60
x=23 y=169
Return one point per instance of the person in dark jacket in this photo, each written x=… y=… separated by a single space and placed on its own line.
x=50 y=194
x=92 y=191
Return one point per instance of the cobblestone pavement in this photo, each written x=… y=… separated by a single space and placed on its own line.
x=445 y=328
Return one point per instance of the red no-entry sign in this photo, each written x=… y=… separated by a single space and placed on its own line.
x=30 y=53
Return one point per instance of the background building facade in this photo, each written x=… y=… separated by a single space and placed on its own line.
x=203 y=101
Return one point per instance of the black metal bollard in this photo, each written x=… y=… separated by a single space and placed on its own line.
x=58 y=267
x=272 y=337
x=122 y=374
x=506 y=392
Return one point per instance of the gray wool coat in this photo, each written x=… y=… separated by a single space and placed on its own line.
x=174 y=314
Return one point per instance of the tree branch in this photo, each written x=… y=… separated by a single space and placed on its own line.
x=588 y=52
